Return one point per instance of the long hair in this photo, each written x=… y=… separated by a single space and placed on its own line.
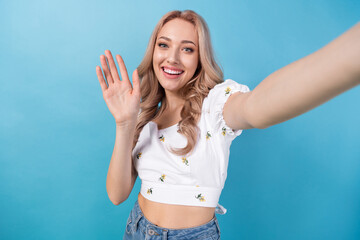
x=206 y=76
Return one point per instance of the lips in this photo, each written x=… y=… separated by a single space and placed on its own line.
x=171 y=72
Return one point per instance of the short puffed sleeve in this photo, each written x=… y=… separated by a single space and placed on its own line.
x=216 y=100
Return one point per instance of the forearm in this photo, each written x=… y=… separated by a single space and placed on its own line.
x=307 y=82
x=119 y=178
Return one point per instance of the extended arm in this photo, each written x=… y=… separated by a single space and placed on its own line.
x=299 y=86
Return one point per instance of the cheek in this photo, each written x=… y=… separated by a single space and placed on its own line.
x=155 y=59
x=191 y=64
x=158 y=57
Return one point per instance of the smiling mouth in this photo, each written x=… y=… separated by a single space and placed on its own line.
x=171 y=72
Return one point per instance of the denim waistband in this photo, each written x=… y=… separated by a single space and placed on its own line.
x=140 y=221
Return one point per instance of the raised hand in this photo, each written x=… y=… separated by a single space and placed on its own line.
x=122 y=99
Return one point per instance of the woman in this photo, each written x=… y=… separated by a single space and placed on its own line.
x=180 y=149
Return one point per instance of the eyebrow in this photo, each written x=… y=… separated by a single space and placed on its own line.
x=183 y=41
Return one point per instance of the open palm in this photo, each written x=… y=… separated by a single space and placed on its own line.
x=122 y=99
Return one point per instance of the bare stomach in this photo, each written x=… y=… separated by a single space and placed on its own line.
x=174 y=216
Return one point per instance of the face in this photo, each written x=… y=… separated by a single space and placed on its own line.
x=176 y=54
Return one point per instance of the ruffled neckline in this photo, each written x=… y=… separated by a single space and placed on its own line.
x=163 y=129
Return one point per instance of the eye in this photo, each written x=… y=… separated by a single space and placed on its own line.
x=162 y=45
x=188 y=49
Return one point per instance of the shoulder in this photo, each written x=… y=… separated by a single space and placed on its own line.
x=214 y=106
x=223 y=90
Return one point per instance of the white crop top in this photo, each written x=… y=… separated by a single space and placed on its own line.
x=195 y=180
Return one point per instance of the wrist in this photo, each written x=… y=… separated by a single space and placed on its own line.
x=126 y=125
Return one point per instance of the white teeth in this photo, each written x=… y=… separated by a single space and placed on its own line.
x=171 y=71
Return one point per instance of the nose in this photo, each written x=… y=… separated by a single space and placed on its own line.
x=173 y=57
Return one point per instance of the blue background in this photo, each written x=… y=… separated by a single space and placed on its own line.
x=296 y=180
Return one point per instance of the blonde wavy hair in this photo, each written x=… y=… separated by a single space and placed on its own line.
x=206 y=76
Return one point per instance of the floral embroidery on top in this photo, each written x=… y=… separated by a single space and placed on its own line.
x=162 y=177
x=149 y=191
x=138 y=155
x=208 y=135
x=227 y=90
x=223 y=131
x=185 y=161
x=201 y=198
x=162 y=138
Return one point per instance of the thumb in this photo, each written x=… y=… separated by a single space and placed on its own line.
x=136 y=82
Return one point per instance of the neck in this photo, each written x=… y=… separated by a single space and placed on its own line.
x=174 y=102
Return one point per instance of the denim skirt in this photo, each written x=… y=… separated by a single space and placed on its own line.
x=138 y=227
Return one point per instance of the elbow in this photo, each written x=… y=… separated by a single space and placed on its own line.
x=117 y=201
x=117 y=198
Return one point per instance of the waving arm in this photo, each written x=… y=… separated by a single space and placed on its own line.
x=299 y=86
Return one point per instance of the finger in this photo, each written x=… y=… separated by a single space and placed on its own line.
x=136 y=82
x=113 y=69
x=123 y=71
x=106 y=70
x=101 y=78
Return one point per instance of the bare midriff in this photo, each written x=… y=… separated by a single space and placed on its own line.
x=175 y=216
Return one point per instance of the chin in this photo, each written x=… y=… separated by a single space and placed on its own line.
x=170 y=86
